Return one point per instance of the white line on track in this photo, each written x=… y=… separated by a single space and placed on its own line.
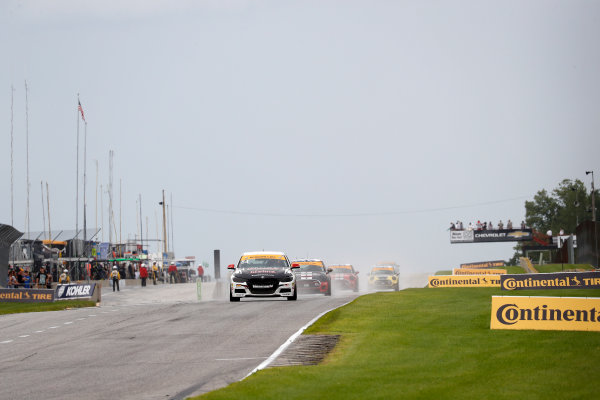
x=80 y=319
x=24 y=336
x=240 y=358
x=291 y=339
x=6 y=341
x=40 y=331
x=68 y=323
x=53 y=327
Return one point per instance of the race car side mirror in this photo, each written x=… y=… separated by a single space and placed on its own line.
x=329 y=270
x=231 y=266
x=295 y=265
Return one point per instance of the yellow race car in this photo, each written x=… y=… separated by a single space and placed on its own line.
x=384 y=277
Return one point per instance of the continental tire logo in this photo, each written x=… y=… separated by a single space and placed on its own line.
x=510 y=314
x=568 y=280
x=464 y=281
x=546 y=313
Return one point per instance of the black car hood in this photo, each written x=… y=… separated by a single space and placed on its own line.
x=248 y=273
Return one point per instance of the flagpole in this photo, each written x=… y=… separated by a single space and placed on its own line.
x=27 y=145
x=12 y=196
x=84 y=186
x=77 y=175
x=75 y=251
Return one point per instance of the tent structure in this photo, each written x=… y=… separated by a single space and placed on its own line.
x=8 y=235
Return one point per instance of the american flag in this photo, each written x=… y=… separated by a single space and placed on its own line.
x=81 y=110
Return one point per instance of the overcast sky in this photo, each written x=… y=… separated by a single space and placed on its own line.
x=351 y=131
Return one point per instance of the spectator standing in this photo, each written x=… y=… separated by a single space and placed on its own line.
x=154 y=273
x=452 y=228
x=13 y=282
x=64 y=278
x=115 y=276
x=49 y=281
x=509 y=224
x=201 y=272
x=470 y=227
x=20 y=276
x=122 y=271
x=143 y=274
x=41 y=278
x=490 y=226
x=500 y=225
x=172 y=273
x=26 y=280
x=523 y=226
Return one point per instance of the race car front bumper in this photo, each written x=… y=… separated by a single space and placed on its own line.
x=259 y=289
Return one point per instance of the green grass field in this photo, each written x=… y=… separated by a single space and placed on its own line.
x=562 y=267
x=434 y=344
x=13 y=308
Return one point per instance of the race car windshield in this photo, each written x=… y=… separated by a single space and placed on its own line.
x=310 y=268
x=383 y=272
x=268 y=263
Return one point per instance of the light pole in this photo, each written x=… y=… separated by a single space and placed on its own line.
x=593 y=196
x=594 y=216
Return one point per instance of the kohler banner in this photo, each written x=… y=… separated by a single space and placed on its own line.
x=8 y=235
x=499 y=235
x=75 y=291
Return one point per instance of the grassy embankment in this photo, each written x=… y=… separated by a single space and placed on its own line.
x=511 y=269
x=514 y=269
x=13 y=308
x=434 y=343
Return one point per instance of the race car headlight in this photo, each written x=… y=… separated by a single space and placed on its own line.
x=237 y=279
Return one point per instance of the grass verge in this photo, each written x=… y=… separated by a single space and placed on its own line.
x=14 y=308
x=434 y=343
x=563 y=267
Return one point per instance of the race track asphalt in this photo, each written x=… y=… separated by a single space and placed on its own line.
x=157 y=342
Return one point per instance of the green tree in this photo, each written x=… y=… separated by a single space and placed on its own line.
x=567 y=206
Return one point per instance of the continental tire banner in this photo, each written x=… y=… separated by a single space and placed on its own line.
x=546 y=313
x=65 y=292
x=558 y=280
x=499 y=235
x=484 y=264
x=439 y=281
x=27 y=295
x=477 y=271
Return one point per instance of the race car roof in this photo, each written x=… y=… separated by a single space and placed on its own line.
x=263 y=254
x=342 y=266
x=382 y=269
x=308 y=262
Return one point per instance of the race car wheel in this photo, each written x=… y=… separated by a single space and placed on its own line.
x=295 y=296
x=231 y=298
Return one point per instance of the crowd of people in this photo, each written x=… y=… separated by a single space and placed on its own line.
x=21 y=277
x=46 y=275
x=484 y=226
